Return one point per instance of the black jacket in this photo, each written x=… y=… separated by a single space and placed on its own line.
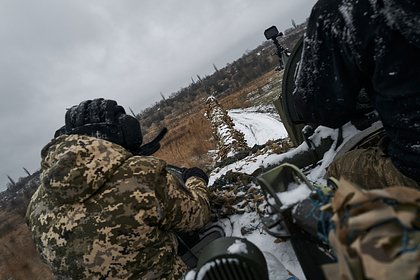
x=368 y=44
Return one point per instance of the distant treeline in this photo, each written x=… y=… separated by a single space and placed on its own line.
x=18 y=193
x=233 y=76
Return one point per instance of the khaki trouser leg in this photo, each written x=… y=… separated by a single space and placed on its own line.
x=370 y=169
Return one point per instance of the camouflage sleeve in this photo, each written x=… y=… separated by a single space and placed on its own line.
x=186 y=207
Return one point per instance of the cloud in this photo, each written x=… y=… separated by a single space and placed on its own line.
x=55 y=54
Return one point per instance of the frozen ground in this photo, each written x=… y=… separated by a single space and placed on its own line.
x=258 y=127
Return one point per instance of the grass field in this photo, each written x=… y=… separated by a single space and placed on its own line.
x=18 y=258
x=189 y=139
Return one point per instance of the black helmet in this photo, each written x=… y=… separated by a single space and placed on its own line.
x=104 y=119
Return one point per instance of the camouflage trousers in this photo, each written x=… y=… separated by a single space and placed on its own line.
x=370 y=169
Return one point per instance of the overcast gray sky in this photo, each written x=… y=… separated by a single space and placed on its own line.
x=55 y=54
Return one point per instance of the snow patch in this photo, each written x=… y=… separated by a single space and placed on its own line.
x=257 y=127
x=237 y=248
x=294 y=194
x=282 y=251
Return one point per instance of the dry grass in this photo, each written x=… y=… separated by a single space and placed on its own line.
x=190 y=138
x=188 y=141
x=241 y=98
x=18 y=258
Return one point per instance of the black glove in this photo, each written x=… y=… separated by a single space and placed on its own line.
x=196 y=172
x=153 y=146
x=103 y=119
x=93 y=112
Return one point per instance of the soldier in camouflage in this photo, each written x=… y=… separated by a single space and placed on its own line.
x=372 y=45
x=104 y=212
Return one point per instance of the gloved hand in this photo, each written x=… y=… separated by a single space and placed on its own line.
x=194 y=172
x=105 y=119
x=93 y=111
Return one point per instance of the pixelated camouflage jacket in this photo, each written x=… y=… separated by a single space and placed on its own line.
x=102 y=213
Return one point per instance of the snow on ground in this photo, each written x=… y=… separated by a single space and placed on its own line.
x=258 y=127
x=282 y=252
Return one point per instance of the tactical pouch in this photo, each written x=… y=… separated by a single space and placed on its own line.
x=376 y=233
